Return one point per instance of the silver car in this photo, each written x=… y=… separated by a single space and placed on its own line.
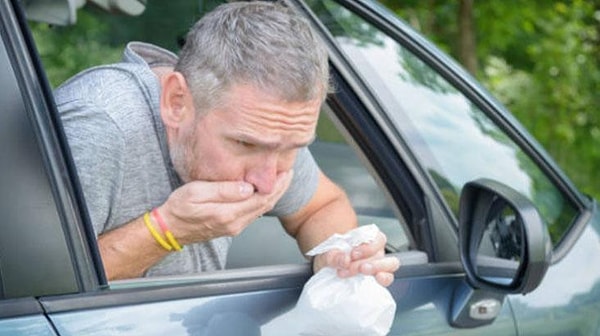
x=475 y=209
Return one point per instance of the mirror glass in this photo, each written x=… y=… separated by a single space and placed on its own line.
x=501 y=247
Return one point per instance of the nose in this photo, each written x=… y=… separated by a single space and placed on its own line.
x=263 y=174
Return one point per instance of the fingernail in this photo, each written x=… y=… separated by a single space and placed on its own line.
x=356 y=255
x=246 y=189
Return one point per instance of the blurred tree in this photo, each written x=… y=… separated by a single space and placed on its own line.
x=467 y=48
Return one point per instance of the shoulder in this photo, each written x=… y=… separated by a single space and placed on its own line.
x=103 y=80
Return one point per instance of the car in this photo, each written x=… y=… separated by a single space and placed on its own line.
x=492 y=236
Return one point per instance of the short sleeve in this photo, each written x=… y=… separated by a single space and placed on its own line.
x=96 y=145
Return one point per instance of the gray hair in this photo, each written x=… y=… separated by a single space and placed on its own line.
x=261 y=44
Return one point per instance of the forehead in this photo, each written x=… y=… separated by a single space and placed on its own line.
x=254 y=113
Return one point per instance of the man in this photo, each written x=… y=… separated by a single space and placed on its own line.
x=176 y=156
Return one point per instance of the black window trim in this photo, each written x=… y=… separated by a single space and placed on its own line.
x=13 y=308
x=379 y=151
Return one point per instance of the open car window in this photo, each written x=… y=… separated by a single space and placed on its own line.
x=99 y=38
x=339 y=160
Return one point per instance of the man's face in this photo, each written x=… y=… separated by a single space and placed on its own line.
x=252 y=138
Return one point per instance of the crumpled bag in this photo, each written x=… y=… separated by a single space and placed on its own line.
x=335 y=306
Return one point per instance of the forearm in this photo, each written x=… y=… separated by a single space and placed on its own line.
x=329 y=212
x=337 y=217
x=129 y=251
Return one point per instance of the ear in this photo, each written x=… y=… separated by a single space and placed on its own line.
x=176 y=101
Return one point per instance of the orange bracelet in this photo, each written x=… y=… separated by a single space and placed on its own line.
x=155 y=234
x=165 y=230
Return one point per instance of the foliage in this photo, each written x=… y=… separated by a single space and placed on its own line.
x=542 y=60
x=67 y=50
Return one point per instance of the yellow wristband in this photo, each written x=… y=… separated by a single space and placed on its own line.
x=155 y=234
x=165 y=229
x=173 y=241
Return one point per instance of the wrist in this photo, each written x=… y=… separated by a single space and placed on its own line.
x=165 y=229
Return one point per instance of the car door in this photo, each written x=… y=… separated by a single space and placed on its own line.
x=449 y=131
x=240 y=300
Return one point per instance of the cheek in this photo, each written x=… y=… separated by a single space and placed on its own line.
x=213 y=162
x=286 y=160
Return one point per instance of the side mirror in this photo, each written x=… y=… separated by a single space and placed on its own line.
x=504 y=245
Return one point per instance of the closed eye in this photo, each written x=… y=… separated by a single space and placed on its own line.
x=245 y=144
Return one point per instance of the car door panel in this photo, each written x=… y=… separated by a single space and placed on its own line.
x=207 y=306
x=568 y=299
x=23 y=317
x=25 y=326
x=234 y=314
x=422 y=305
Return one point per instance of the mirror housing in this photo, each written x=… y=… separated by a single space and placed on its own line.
x=504 y=244
x=57 y=12
x=64 y=12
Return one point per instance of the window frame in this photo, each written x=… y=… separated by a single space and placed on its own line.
x=456 y=76
x=73 y=252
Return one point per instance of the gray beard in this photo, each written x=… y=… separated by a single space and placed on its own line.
x=180 y=154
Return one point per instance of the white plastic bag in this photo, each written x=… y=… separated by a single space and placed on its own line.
x=335 y=306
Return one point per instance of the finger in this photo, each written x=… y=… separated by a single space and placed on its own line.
x=258 y=204
x=384 y=279
x=337 y=259
x=368 y=250
x=334 y=259
x=388 y=264
x=371 y=266
x=218 y=192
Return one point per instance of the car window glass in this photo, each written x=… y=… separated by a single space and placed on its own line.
x=28 y=198
x=339 y=161
x=454 y=140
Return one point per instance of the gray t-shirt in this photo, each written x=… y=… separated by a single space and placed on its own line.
x=112 y=121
